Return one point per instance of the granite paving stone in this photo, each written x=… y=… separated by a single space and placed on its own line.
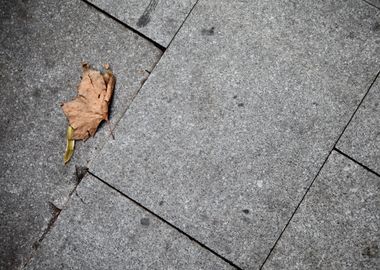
x=337 y=225
x=42 y=45
x=361 y=139
x=101 y=229
x=376 y=3
x=240 y=114
x=157 y=19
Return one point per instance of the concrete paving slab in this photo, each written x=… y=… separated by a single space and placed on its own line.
x=239 y=115
x=337 y=225
x=102 y=229
x=361 y=139
x=42 y=44
x=159 y=20
x=375 y=3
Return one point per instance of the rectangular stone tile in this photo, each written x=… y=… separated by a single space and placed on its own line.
x=337 y=225
x=42 y=45
x=102 y=229
x=239 y=115
x=158 y=20
x=361 y=139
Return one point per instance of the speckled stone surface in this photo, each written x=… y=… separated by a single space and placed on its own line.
x=157 y=19
x=361 y=139
x=101 y=229
x=42 y=45
x=239 y=115
x=337 y=225
x=376 y=3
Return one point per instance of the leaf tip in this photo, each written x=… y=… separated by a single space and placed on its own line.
x=70 y=144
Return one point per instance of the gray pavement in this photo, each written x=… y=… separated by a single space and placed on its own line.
x=157 y=19
x=361 y=139
x=223 y=160
x=102 y=229
x=240 y=114
x=375 y=3
x=42 y=45
x=335 y=226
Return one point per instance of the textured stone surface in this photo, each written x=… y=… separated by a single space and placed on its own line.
x=42 y=45
x=337 y=225
x=157 y=19
x=101 y=229
x=376 y=3
x=239 y=115
x=361 y=139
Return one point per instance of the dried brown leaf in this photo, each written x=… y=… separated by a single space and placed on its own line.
x=90 y=107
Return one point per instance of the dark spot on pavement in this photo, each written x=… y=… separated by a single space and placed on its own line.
x=245 y=211
x=49 y=63
x=145 y=18
x=161 y=203
x=36 y=93
x=228 y=249
x=145 y=221
x=204 y=217
x=351 y=35
x=54 y=90
x=143 y=21
x=241 y=104
x=208 y=32
x=36 y=245
x=376 y=26
x=372 y=251
x=80 y=172
x=23 y=12
x=235 y=96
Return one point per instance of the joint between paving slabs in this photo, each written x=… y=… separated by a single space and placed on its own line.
x=159 y=46
x=320 y=169
x=116 y=122
x=55 y=212
x=80 y=173
x=357 y=162
x=371 y=4
x=164 y=221
x=357 y=108
x=183 y=22
x=156 y=44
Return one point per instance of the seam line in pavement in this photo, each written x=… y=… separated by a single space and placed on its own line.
x=55 y=214
x=123 y=113
x=159 y=46
x=371 y=4
x=183 y=22
x=57 y=211
x=357 y=108
x=357 y=162
x=320 y=169
x=165 y=221
x=162 y=48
